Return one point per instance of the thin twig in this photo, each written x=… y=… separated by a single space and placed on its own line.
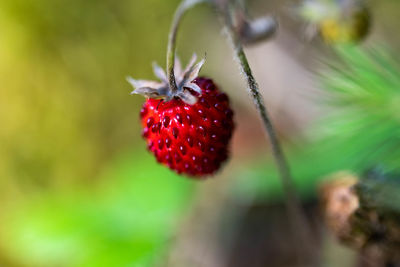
x=300 y=223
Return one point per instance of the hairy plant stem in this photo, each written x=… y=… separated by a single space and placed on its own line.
x=298 y=219
x=171 y=50
x=296 y=214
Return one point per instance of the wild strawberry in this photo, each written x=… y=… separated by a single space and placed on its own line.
x=188 y=130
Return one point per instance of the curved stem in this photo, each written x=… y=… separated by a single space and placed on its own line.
x=296 y=213
x=180 y=11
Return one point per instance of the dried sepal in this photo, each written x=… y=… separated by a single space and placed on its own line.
x=192 y=73
x=192 y=61
x=177 y=65
x=162 y=90
x=159 y=72
x=193 y=86
x=187 y=97
x=144 y=83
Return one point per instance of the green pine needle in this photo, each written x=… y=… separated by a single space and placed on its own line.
x=361 y=129
x=364 y=92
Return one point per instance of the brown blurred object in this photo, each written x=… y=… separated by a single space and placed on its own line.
x=359 y=223
x=339 y=202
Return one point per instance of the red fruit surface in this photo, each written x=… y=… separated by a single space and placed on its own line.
x=190 y=139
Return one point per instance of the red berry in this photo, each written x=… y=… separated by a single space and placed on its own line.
x=189 y=139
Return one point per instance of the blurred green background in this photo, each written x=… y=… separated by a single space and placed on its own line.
x=77 y=186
